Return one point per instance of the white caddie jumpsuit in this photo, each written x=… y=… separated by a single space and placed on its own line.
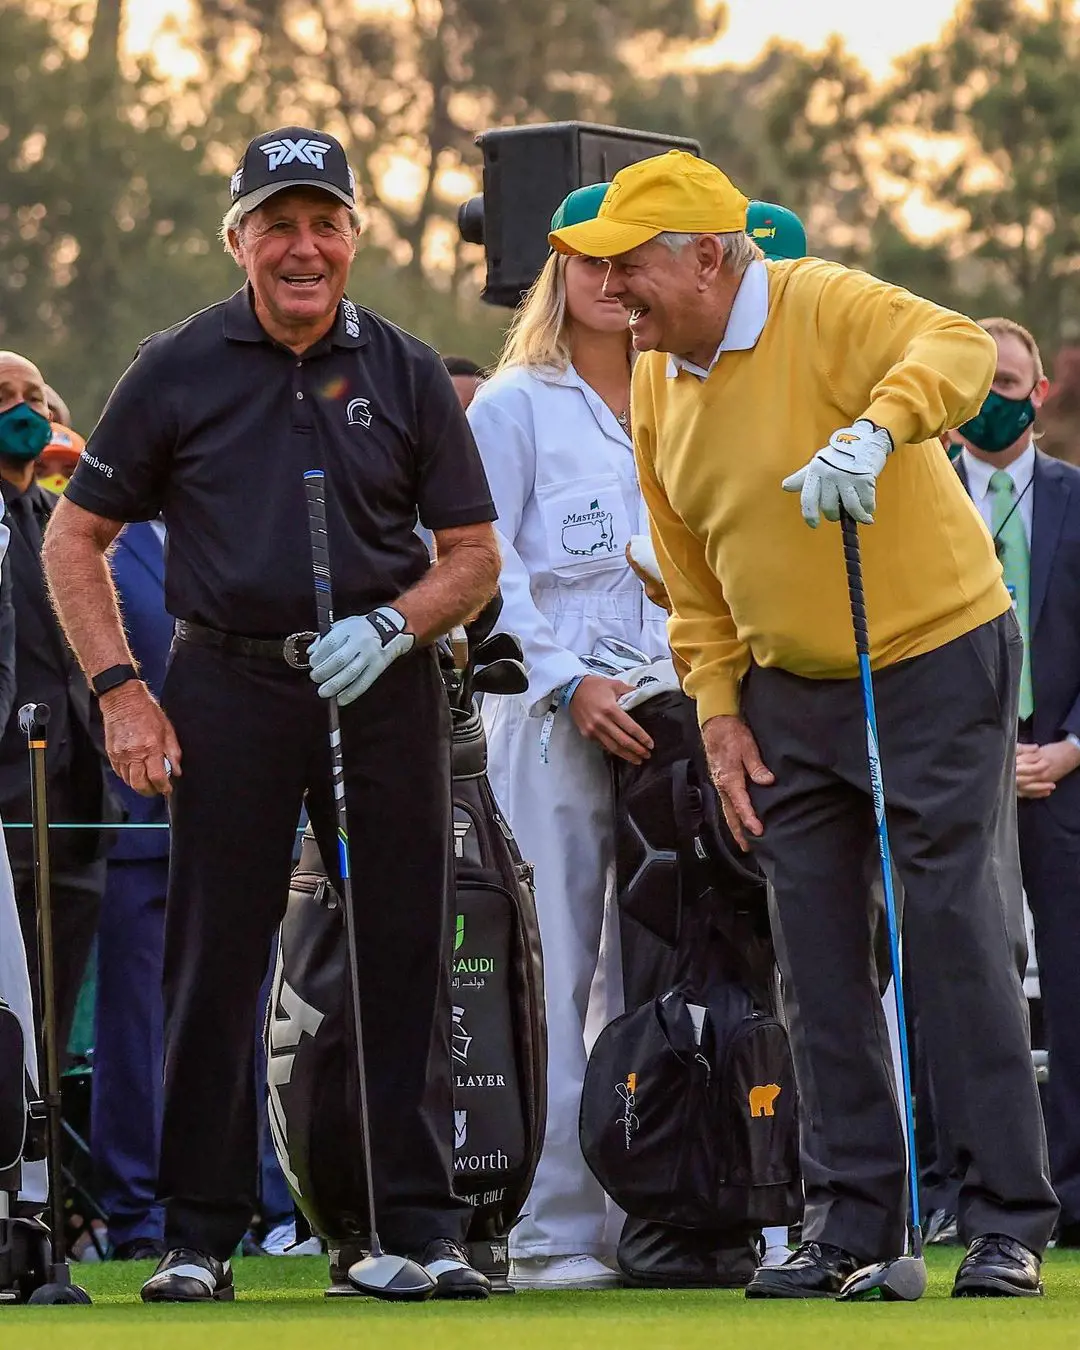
x=563 y=479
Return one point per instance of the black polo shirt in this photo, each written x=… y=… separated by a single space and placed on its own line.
x=213 y=427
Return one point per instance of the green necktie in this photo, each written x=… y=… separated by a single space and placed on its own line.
x=1007 y=526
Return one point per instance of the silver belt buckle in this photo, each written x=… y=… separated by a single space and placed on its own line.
x=294 y=650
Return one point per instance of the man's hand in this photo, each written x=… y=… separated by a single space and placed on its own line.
x=351 y=657
x=1039 y=768
x=843 y=475
x=732 y=753
x=597 y=715
x=139 y=739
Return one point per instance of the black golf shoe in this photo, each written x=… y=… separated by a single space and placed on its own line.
x=998 y=1267
x=187 y=1276
x=139 y=1249
x=446 y=1262
x=814 y=1270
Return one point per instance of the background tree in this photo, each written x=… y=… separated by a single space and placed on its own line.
x=987 y=125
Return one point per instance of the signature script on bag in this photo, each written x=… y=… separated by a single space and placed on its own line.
x=628 y=1120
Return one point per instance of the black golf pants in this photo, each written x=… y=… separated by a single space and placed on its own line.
x=254 y=736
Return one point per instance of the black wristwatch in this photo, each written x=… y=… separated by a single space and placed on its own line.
x=112 y=679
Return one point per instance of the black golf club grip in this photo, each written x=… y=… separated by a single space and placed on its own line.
x=315 y=487
x=856 y=595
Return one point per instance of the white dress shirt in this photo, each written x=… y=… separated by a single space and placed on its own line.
x=1020 y=470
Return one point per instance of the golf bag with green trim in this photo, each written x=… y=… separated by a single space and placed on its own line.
x=499 y=1036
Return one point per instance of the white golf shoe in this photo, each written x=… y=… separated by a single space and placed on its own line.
x=281 y=1241
x=562 y=1272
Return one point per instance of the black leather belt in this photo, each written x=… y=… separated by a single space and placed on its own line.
x=292 y=649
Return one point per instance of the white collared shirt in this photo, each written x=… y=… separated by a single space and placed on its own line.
x=744 y=325
x=1020 y=470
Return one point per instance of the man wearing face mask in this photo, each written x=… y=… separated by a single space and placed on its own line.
x=1031 y=506
x=47 y=672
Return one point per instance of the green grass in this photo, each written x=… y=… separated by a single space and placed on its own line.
x=280 y=1307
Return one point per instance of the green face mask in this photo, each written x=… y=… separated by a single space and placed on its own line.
x=24 y=433
x=999 y=423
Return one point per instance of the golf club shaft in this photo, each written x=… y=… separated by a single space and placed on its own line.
x=33 y=720
x=857 y=601
x=315 y=486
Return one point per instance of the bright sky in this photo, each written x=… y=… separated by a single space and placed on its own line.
x=875 y=32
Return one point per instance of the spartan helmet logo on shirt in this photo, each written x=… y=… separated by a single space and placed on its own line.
x=285 y=151
x=585 y=533
x=358 y=412
x=461 y=1041
x=461 y=1128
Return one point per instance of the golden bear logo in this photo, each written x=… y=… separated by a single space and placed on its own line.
x=762 y=1099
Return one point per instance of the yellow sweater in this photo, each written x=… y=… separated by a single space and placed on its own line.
x=747 y=578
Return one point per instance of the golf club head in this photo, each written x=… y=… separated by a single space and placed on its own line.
x=501 y=677
x=596 y=665
x=59 y=1293
x=484 y=623
x=621 y=654
x=900 y=1281
x=498 y=647
x=391 y=1277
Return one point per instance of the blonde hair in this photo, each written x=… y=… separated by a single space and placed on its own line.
x=999 y=328
x=538 y=336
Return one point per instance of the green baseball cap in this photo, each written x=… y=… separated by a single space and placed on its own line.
x=778 y=232
x=582 y=204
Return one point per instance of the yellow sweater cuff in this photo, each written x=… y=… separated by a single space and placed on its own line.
x=896 y=416
x=719 y=698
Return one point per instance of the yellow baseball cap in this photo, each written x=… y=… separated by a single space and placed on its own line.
x=677 y=191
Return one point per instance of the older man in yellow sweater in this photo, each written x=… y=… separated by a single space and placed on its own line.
x=827 y=383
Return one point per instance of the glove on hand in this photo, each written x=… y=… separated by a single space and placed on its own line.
x=843 y=475
x=351 y=657
x=641 y=556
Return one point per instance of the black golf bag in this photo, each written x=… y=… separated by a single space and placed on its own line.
x=689 y=1110
x=24 y=1239
x=499 y=1036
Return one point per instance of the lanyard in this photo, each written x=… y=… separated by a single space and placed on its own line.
x=999 y=548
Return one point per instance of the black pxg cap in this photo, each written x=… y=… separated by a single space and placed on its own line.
x=292 y=157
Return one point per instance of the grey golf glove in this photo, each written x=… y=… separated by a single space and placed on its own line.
x=356 y=651
x=843 y=475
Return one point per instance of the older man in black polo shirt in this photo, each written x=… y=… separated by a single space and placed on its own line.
x=213 y=427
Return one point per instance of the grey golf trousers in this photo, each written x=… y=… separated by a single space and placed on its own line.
x=947 y=732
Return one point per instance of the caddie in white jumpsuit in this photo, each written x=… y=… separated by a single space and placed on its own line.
x=561 y=470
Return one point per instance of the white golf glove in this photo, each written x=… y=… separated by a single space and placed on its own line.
x=356 y=651
x=843 y=475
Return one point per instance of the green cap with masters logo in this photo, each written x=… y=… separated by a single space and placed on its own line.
x=582 y=204
x=778 y=232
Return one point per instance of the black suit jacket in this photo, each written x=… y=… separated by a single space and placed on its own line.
x=1054 y=614
x=46 y=672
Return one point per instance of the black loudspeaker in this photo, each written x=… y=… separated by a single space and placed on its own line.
x=527 y=172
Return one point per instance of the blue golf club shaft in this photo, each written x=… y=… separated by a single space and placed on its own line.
x=857 y=599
